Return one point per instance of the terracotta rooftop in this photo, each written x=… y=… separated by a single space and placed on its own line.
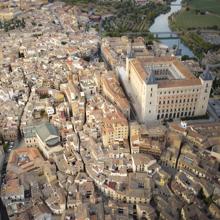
x=31 y=153
x=113 y=87
x=189 y=79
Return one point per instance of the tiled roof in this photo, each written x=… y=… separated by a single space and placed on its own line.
x=189 y=78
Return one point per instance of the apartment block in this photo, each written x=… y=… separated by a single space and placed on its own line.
x=115 y=127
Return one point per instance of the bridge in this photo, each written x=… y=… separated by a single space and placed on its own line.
x=175 y=4
x=165 y=35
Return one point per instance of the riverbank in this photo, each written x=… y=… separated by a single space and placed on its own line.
x=161 y=25
x=196 y=17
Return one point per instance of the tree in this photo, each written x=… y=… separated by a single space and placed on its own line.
x=185 y=57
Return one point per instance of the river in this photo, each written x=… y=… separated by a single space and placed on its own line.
x=161 y=24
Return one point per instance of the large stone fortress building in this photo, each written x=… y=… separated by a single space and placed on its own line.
x=163 y=88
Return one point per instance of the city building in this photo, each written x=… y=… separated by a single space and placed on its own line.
x=112 y=90
x=24 y=159
x=69 y=147
x=13 y=192
x=45 y=136
x=141 y=162
x=163 y=88
x=149 y=140
x=115 y=127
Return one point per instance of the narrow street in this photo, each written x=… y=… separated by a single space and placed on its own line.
x=3 y=213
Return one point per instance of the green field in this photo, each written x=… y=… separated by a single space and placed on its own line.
x=212 y=6
x=191 y=19
x=195 y=16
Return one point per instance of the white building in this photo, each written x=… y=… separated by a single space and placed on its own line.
x=142 y=163
x=163 y=88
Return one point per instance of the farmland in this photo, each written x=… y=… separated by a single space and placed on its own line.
x=212 y=6
x=132 y=18
x=192 y=20
x=197 y=16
